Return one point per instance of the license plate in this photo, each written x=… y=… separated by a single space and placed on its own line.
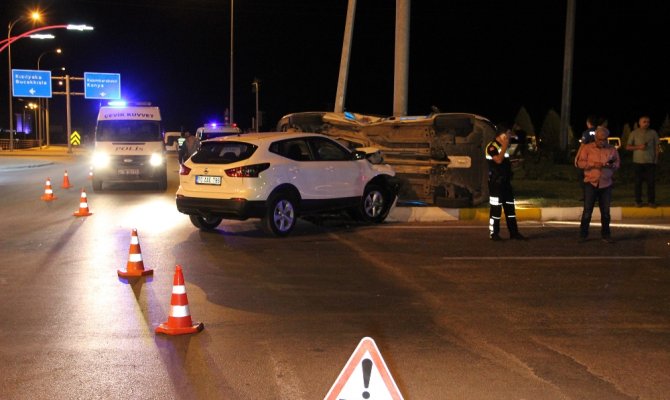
x=131 y=171
x=207 y=180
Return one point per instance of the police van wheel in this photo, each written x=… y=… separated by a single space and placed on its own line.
x=162 y=183
x=205 y=224
x=97 y=185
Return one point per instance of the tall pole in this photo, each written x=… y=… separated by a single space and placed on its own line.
x=566 y=99
x=401 y=64
x=9 y=73
x=67 y=113
x=231 y=62
x=344 y=59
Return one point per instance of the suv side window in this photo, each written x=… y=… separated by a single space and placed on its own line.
x=328 y=150
x=294 y=149
x=223 y=152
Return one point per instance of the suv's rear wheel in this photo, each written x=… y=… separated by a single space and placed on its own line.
x=281 y=215
x=205 y=223
x=375 y=205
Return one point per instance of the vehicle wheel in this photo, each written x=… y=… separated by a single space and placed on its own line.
x=162 y=182
x=281 y=215
x=97 y=185
x=205 y=224
x=375 y=205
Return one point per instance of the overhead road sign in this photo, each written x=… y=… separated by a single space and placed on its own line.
x=31 y=83
x=102 y=86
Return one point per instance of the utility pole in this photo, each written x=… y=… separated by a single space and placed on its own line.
x=401 y=65
x=566 y=99
x=344 y=60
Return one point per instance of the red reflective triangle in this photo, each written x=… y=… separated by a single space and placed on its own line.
x=355 y=382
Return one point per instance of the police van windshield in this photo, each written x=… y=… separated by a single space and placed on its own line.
x=128 y=131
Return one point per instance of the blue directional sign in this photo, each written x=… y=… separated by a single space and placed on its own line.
x=31 y=83
x=103 y=86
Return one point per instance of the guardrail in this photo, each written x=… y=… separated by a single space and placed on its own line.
x=19 y=144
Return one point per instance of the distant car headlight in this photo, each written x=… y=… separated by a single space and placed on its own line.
x=156 y=159
x=100 y=159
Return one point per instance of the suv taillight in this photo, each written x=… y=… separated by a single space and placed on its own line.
x=184 y=170
x=248 y=171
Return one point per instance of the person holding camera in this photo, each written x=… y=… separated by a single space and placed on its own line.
x=501 y=194
x=599 y=160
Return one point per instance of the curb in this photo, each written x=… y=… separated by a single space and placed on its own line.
x=438 y=214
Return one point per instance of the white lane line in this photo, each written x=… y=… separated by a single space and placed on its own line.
x=547 y=224
x=555 y=258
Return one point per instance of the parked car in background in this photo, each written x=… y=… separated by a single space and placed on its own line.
x=171 y=140
x=280 y=177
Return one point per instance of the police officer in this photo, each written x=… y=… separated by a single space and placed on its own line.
x=500 y=185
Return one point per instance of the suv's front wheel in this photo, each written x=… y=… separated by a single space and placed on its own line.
x=205 y=223
x=281 y=215
x=375 y=205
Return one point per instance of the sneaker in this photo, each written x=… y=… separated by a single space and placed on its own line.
x=609 y=240
x=517 y=236
x=495 y=237
x=582 y=239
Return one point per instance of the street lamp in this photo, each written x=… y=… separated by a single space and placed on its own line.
x=256 y=88
x=42 y=119
x=35 y=16
x=231 y=62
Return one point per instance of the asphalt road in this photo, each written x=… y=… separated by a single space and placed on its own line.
x=453 y=315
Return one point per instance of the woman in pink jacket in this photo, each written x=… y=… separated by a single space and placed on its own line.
x=599 y=160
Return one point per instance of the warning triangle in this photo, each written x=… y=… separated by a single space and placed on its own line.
x=365 y=376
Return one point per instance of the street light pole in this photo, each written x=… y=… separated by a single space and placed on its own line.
x=231 y=62
x=42 y=119
x=35 y=16
x=257 y=88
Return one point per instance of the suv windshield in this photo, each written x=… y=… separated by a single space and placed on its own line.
x=223 y=152
x=128 y=131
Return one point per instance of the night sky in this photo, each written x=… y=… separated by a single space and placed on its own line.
x=483 y=57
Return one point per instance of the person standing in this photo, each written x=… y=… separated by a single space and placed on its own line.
x=643 y=142
x=500 y=186
x=187 y=148
x=599 y=160
x=588 y=136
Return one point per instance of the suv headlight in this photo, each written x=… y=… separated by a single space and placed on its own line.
x=100 y=159
x=156 y=159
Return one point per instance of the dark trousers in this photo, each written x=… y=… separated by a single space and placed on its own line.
x=645 y=173
x=501 y=197
x=604 y=198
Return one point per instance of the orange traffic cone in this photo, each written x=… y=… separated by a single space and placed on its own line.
x=66 y=181
x=135 y=266
x=179 y=321
x=48 y=192
x=83 y=206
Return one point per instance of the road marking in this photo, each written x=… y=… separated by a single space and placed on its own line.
x=555 y=258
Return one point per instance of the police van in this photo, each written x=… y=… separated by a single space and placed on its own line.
x=129 y=146
x=214 y=130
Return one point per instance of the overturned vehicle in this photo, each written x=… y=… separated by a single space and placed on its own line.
x=439 y=158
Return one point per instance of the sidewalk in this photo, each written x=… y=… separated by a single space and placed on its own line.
x=29 y=158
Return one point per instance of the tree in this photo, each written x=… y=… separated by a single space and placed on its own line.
x=523 y=120
x=665 y=127
x=551 y=130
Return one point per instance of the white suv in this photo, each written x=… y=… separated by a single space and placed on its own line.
x=280 y=176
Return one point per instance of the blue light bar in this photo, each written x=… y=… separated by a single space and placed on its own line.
x=117 y=103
